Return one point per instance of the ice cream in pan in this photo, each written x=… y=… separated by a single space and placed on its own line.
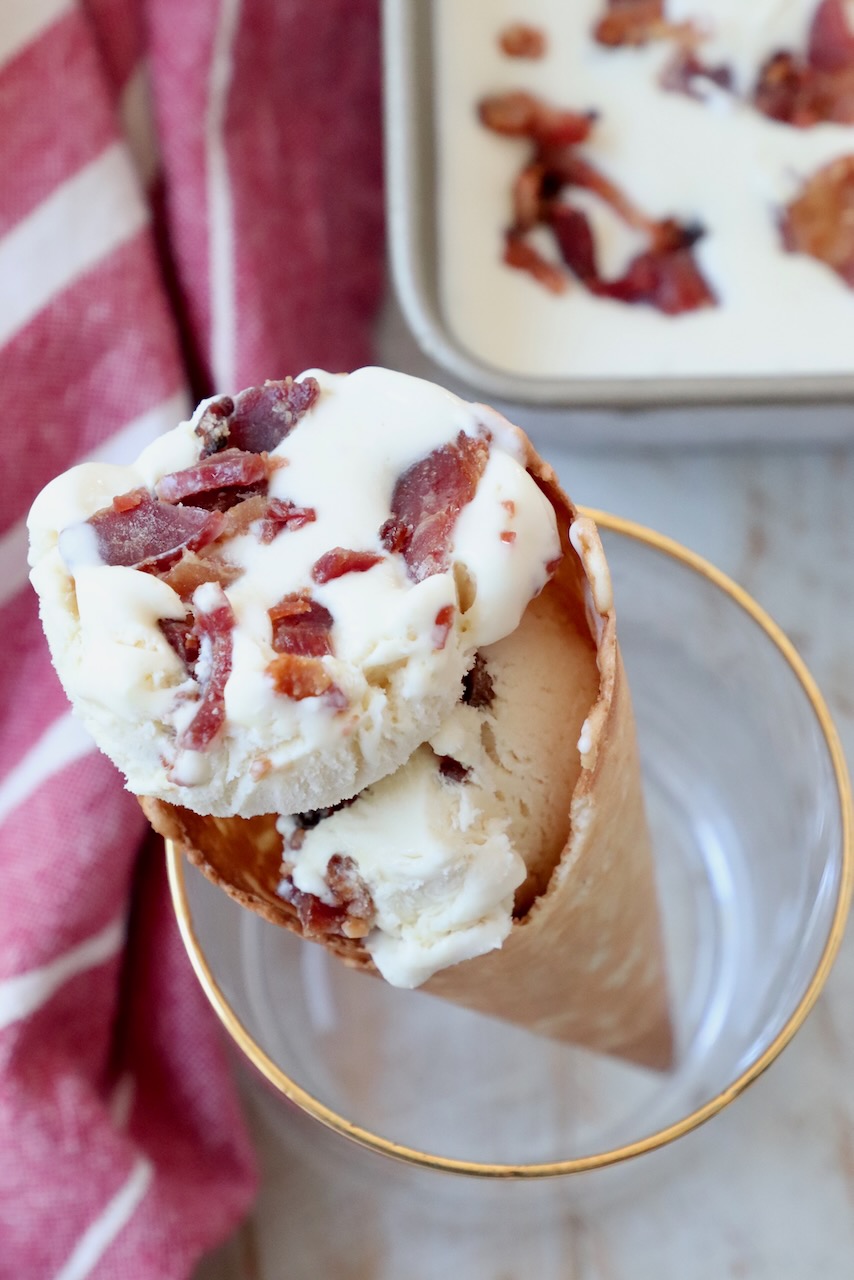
x=355 y=651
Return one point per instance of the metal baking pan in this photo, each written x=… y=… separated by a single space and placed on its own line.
x=411 y=176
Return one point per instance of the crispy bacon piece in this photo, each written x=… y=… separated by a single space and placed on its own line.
x=636 y=22
x=670 y=281
x=281 y=516
x=139 y=532
x=794 y=93
x=478 y=689
x=820 y=220
x=192 y=570
x=212 y=427
x=394 y=535
x=429 y=497
x=664 y=276
x=213 y=626
x=818 y=88
x=452 y=769
x=530 y=193
x=129 y=501
x=263 y=416
x=298 y=677
x=351 y=913
x=219 y=482
x=301 y=626
x=310 y=819
x=182 y=637
x=575 y=240
x=340 y=560
x=520 y=40
x=519 y=114
x=831 y=39
x=524 y=257
x=442 y=624
x=240 y=518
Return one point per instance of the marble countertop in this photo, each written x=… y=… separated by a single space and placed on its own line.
x=765 y=1191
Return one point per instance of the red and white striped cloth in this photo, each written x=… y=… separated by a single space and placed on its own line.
x=190 y=200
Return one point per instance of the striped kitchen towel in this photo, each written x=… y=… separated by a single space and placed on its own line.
x=190 y=201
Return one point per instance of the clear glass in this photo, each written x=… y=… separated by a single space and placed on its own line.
x=748 y=806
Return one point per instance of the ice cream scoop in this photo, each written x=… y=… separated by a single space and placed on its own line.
x=507 y=865
x=275 y=605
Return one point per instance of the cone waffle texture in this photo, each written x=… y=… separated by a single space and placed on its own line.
x=584 y=960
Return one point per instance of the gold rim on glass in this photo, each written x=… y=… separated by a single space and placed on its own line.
x=385 y=1146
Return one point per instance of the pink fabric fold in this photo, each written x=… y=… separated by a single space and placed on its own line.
x=191 y=202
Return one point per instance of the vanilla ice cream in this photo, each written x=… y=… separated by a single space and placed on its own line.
x=464 y=837
x=433 y=853
x=276 y=604
x=712 y=159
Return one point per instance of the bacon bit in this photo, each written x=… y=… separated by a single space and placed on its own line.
x=214 y=625
x=820 y=221
x=192 y=570
x=636 y=22
x=685 y=68
x=524 y=257
x=520 y=40
x=816 y=89
x=507 y=535
x=335 y=563
x=791 y=91
x=301 y=626
x=452 y=769
x=264 y=416
x=529 y=195
x=352 y=912
x=478 y=689
x=345 y=883
x=831 y=40
x=309 y=820
x=217 y=482
x=282 y=516
x=668 y=280
x=429 y=497
x=183 y=639
x=664 y=276
x=130 y=501
x=509 y=506
x=139 y=532
x=240 y=518
x=298 y=677
x=442 y=626
x=518 y=114
x=212 y=427
x=575 y=240
x=394 y=535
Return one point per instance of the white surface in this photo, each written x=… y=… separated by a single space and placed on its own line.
x=721 y=164
x=766 y=1190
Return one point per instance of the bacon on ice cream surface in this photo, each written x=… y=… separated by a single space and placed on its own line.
x=276 y=604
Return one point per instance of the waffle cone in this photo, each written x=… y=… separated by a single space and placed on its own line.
x=584 y=959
